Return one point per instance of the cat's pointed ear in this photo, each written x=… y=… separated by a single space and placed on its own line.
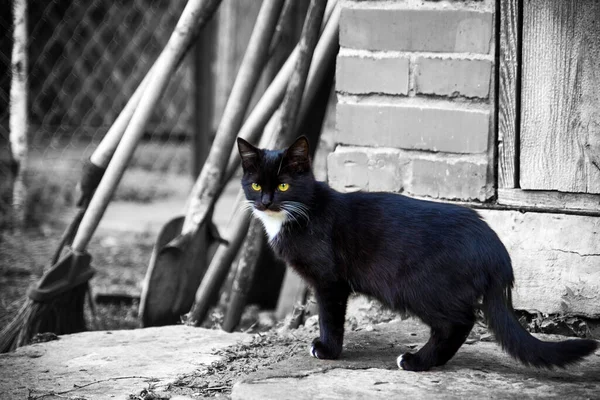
x=248 y=153
x=298 y=156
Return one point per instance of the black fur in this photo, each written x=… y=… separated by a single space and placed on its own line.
x=436 y=261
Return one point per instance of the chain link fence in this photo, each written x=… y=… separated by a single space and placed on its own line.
x=86 y=59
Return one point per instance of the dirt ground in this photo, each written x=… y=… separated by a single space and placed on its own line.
x=268 y=348
x=120 y=269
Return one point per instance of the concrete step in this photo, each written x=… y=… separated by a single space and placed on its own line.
x=367 y=370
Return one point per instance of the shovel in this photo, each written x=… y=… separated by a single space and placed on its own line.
x=166 y=294
x=184 y=247
x=171 y=261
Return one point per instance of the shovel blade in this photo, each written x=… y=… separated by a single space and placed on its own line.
x=177 y=266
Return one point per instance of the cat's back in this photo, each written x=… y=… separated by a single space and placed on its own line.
x=398 y=227
x=363 y=215
x=392 y=205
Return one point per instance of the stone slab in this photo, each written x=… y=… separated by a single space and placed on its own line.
x=122 y=362
x=556 y=259
x=367 y=370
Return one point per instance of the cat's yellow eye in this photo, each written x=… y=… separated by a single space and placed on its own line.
x=256 y=186
x=283 y=187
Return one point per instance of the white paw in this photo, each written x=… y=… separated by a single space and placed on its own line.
x=399 y=361
x=313 y=351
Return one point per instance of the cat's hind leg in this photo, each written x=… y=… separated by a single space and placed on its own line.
x=444 y=342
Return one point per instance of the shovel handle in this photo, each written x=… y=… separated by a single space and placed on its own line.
x=265 y=108
x=283 y=131
x=203 y=195
x=194 y=17
x=295 y=89
x=105 y=150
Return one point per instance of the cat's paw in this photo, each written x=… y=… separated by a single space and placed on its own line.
x=411 y=362
x=320 y=351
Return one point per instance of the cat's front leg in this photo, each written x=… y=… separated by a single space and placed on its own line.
x=332 y=302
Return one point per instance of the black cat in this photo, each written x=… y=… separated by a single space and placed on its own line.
x=436 y=261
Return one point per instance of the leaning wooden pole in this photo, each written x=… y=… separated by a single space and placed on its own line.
x=182 y=250
x=283 y=133
x=238 y=225
x=18 y=119
x=194 y=17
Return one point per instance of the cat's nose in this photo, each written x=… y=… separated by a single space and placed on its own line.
x=266 y=201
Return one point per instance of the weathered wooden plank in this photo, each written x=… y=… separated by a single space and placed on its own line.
x=560 y=129
x=549 y=201
x=555 y=259
x=508 y=107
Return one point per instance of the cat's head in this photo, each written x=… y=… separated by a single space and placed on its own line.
x=277 y=182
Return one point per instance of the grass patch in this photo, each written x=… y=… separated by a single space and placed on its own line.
x=156 y=172
x=163 y=157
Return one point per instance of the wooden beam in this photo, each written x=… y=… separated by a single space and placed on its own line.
x=549 y=200
x=508 y=94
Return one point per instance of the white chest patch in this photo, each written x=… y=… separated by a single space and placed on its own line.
x=272 y=221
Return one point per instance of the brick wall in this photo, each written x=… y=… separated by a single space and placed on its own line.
x=415 y=98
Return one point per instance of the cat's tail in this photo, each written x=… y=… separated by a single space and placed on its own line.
x=517 y=342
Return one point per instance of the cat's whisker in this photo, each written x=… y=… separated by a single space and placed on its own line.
x=303 y=214
x=298 y=208
x=300 y=214
x=303 y=208
x=297 y=205
x=246 y=205
x=294 y=211
x=287 y=212
x=291 y=215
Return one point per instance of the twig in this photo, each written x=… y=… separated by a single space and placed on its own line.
x=77 y=387
x=217 y=388
x=251 y=327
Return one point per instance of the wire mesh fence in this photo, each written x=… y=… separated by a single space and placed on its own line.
x=86 y=59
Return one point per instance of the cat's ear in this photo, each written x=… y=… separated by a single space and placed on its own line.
x=248 y=153
x=298 y=156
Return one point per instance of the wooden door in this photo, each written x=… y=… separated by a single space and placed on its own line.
x=559 y=136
